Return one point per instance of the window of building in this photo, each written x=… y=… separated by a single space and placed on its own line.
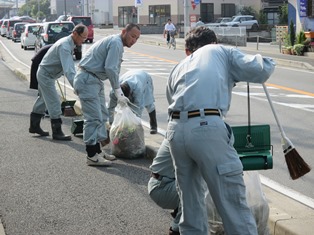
x=127 y=15
x=159 y=14
x=228 y=10
x=207 y=12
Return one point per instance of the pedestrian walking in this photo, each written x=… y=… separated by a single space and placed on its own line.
x=137 y=86
x=101 y=62
x=56 y=62
x=199 y=22
x=201 y=143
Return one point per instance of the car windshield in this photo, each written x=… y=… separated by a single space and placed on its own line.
x=84 y=21
x=235 y=18
x=19 y=26
x=33 y=28
x=57 y=28
x=224 y=20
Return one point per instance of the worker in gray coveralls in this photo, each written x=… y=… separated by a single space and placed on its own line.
x=137 y=86
x=102 y=61
x=56 y=62
x=199 y=94
x=162 y=185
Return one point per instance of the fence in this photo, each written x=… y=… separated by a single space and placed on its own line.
x=231 y=35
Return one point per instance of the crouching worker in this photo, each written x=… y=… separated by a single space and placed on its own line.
x=137 y=86
x=162 y=185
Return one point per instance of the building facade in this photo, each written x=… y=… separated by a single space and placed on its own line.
x=301 y=12
x=154 y=12
x=99 y=10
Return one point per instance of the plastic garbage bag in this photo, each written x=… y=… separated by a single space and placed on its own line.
x=256 y=200
x=127 y=134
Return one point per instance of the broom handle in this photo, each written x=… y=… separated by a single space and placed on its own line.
x=61 y=90
x=273 y=109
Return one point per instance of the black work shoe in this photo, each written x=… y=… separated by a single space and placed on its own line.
x=171 y=232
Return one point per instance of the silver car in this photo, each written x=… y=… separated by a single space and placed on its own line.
x=28 y=38
x=247 y=21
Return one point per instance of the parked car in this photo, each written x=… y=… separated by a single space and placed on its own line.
x=17 y=31
x=247 y=21
x=219 y=21
x=87 y=21
x=4 y=27
x=1 y=21
x=10 y=26
x=27 y=37
x=50 y=32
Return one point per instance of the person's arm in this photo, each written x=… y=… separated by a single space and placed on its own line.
x=250 y=68
x=67 y=62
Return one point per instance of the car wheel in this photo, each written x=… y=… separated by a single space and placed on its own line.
x=21 y=46
x=25 y=48
x=235 y=25
x=255 y=27
x=91 y=40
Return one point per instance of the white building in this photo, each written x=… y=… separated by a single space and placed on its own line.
x=99 y=10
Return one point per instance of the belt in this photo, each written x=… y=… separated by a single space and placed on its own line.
x=196 y=113
x=83 y=69
x=156 y=176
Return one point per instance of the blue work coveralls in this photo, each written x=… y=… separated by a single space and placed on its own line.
x=201 y=145
x=57 y=61
x=102 y=61
x=141 y=93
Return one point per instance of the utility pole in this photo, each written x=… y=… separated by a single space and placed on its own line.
x=65 y=9
x=38 y=9
x=187 y=5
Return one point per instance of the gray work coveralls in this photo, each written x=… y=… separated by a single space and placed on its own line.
x=141 y=93
x=102 y=61
x=56 y=62
x=163 y=190
x=202 y=146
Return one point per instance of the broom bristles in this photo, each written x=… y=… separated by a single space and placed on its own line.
x=296 y=165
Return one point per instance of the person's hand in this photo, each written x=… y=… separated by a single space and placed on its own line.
x=122 y=99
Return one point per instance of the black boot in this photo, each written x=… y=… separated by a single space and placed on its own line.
x=153 y=122
x=57 y=133
x=35 y=125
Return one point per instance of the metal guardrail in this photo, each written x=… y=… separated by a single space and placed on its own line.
x=229 y=31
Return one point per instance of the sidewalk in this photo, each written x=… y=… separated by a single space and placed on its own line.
x=287 y=216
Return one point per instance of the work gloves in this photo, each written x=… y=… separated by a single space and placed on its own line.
x=123 y=100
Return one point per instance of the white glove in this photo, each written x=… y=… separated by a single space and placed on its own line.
x=120 y=96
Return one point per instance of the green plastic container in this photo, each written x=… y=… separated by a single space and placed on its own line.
x=255 y=154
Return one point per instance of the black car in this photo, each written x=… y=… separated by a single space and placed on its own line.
x=17 y=31
x=50 y=32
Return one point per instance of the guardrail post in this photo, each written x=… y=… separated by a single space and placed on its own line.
x=257 y=41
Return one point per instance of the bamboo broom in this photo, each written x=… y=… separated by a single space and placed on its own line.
x=296 y=165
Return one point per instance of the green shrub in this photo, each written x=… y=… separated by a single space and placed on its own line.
x=298 y=49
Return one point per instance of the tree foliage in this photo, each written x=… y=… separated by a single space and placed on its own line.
x=31 y=8
x=248 y=10
x=262 y=17
x=283 y=14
